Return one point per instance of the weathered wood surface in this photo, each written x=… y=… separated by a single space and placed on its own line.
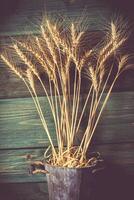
x=12 y=87
x=8 y=88
x=14 y=164
x=20 y=126
x=21 y=17
x=15 y=87
x=22 y=135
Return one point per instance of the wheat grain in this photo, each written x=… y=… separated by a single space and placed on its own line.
x=59 y=55
x=17 y=71
x=25 y=59
x=50 y=45
x=93 y=77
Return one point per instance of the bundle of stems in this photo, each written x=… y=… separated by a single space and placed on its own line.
x=58 y=52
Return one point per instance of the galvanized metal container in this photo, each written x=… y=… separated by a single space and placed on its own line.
x=69 y=183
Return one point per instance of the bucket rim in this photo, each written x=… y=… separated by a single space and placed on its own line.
x=68 y=168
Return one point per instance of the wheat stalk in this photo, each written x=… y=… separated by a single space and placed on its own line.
x=17 y=71
x=57 y=54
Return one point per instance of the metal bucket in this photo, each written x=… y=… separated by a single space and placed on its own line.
x=69 y=183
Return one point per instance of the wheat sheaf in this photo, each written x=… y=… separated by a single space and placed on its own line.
x=56 y=51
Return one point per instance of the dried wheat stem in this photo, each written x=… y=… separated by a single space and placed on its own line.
x=30 y=49
x=89 y=125
x=58 y=131
x=56 y=37
x=17 y=71
x=25 y=59
x=50 y=45
x=57 y=54
x=38 y=107
x=96 y=104
x=84 y=107
x=100 y=112
x=47 y=64
x=74 y=101
x=84 y=59
x=93 y=78
x=110 y=52
x=76 y=108
x=32 y=67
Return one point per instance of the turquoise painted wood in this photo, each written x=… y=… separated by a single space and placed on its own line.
x=19 y=119
x=14 y=165
x=21 y=137
x=20 y=126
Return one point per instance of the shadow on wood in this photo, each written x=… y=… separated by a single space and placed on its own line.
x=109 y=184
x=7 y=8
x=113 y=184
x=24 y=191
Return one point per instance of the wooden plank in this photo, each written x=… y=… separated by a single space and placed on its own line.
x=23 y=17
x=12 y=87
x=20 y=126
x=15 y=87
x=116 y=123
x=14 y=163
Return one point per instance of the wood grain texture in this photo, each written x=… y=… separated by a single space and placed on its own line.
x=20 y=126
x=12 y=87
x=14 y=165
x=23 y=16
x=20 y=18
x=15 y=87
